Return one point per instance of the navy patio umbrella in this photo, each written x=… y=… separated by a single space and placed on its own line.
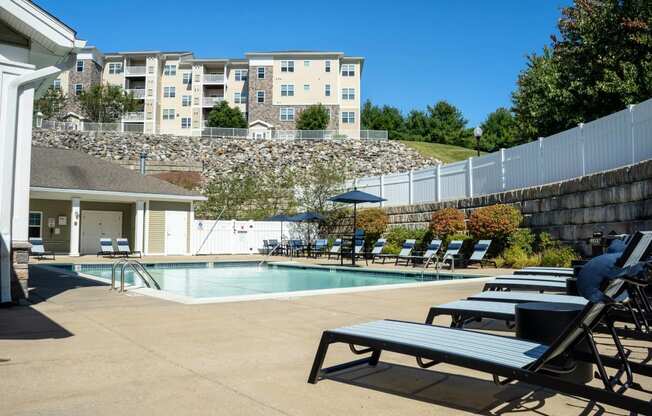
x=307 y=217
x=355 y=197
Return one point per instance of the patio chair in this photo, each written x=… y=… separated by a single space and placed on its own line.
x=478 y=256
x=430 y=253
x=335 y=249
x=452 y=252
x=376 y=250
x=125 y=250
x=270 y=246
x=510 y=358
x=406 y=251
x=296 y=248
x=106 y=248
x=38 y=250
x=320 y=247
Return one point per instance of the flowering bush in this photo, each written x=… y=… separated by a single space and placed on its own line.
x=447 y=221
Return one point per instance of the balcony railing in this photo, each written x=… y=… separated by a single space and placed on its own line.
x=135 y=70
x=213 y=78
x=211 y=101
x=135 y=116
x=138 y=93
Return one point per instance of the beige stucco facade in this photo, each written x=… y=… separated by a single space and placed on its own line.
x=199 y=84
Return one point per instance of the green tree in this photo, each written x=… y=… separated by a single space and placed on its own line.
x=600 y=63
x=385 y=118
x=417 y=125
x=106 y=103
x=447 y=124
x=51 y=104
x=499 y=131
x=222 y=115
x=314 y=117
x=323 y=180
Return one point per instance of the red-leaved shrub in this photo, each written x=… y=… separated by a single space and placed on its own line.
x=495 y=222
x=447 y=221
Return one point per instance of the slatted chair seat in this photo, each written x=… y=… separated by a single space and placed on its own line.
x=466 y=344
x=533 y=285
x=521 y=297
x=540 y=278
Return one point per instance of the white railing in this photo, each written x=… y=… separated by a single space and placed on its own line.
x=211 y=101
x=221 y=132
x=135 y=70
x=213 y=78
x=135 y=116
x=207 y=237
x=617 y=140
x=138 y=93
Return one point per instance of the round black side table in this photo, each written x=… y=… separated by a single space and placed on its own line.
x=543 y=322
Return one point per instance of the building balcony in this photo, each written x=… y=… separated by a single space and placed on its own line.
x=213 y=78
x=135 y=71
x=211 y=101
x=139 y=93
x=135 y=116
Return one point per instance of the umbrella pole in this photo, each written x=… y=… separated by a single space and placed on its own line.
x=355 y=206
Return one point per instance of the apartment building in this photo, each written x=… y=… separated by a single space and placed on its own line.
x=176 y=91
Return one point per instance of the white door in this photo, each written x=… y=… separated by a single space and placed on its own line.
x=176 y=232
x=96 y=225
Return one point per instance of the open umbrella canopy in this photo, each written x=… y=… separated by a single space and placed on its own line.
x=356 y=197
x=307 y=217
x=279 y=217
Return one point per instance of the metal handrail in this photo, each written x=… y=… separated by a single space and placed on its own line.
x=270 y=253
x=138 y=268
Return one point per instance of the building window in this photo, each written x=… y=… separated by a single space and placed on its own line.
x=185 y=122
x=261 y=72
x=35 y=223
x=260 y=96
x=287 y=114
x=287 y=90
x=327 y=90
x=56 y=84
x=306 y=63
x=168 y=114
x=348 y=117
x=187 y=78
x=169 y=92
x=348 y=93
x=240 y=98
x=170 y=70
x=80 y=66
x=287 y=66
x=78 y=88
x=185 y=100
x=115 y=68
x=328 y=66
x=306 y=87
x=241 y=74
x=348 y=70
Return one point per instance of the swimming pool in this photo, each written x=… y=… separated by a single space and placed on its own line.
x=253 y=280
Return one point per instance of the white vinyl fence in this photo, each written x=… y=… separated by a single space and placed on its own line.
x=617 y=140
x=233 y=237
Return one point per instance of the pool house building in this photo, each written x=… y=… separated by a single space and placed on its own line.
x=76 y=199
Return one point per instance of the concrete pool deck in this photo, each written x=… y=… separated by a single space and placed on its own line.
x=79 y=349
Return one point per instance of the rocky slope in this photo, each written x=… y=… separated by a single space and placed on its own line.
x=225 y=156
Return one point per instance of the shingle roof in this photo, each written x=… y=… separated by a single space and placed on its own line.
x=70 y=169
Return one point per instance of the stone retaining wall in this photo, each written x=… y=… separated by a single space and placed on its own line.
x=619 y=200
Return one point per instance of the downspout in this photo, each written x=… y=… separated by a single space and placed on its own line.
x=7 y=204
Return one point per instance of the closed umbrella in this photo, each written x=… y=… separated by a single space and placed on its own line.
x=307 y=217
x=279 y=218
x=355 y=197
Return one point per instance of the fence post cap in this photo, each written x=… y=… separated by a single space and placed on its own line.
x=630 y=107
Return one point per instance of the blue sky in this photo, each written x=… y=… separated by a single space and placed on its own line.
x=417 y=52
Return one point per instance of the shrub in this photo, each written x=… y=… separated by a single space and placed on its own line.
x=561 y=256
x=374 y=222
x=495 y=222
x=447 y=221
x=397 y=235
x=518 y=258
x=523 y=238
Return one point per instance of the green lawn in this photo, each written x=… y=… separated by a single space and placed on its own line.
x=445 y=152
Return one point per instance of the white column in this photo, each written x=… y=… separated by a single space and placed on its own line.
x=582 y=147
x=146 y=230
x=631 y=132
x=503 y=178
x=192 y=223
x=410 y=187
x=139 y=225
x=438 y=183
x=75 y=217
x=20 y=224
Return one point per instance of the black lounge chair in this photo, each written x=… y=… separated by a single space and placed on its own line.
x=480 y=251
x=404 y=254
x=106 y=248
x=377 y=249
x=336 y=249
x=38 y=250
x=510 y=358
x=430 y=253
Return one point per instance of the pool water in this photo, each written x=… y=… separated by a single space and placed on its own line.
x=203 y=281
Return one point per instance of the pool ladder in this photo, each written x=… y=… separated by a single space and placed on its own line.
x=138 y=268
